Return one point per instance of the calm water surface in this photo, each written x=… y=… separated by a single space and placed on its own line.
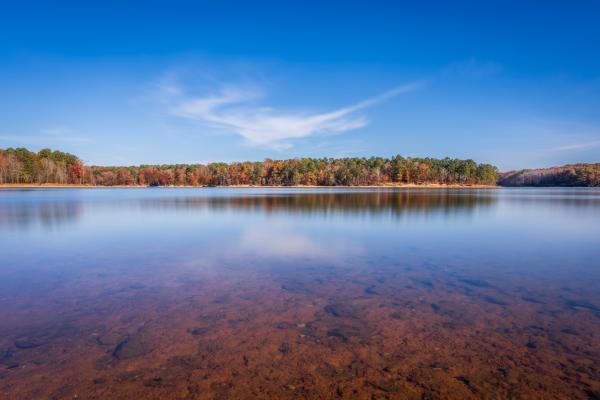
x=318 y=294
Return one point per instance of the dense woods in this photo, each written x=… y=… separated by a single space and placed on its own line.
x=567 y=175
x=23 y=166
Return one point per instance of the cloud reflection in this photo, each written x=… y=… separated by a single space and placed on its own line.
x=279 y=243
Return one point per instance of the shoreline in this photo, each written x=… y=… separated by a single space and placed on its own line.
x=385 y=186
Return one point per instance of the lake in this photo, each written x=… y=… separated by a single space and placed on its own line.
x=209 y=293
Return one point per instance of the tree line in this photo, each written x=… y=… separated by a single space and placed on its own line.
x=46 y=166
x=567 y=175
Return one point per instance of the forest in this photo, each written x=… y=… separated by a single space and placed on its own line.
x=21 y=166
x=567 y=175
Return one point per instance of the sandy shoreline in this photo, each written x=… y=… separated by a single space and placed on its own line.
x=389 y=186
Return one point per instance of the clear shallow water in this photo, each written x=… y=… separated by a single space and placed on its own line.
x=292 y=293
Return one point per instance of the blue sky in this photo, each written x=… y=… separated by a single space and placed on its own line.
x=516 y=84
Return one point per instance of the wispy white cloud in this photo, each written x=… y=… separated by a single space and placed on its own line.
x=62 y=134
x=235 y=110
x=552 y=135
x=10 y=138
x=46 y=137
x=165 y=89
x=578 y=146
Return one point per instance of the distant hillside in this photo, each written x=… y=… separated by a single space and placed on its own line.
x=567 y=175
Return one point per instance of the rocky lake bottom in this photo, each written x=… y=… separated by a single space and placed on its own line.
x=364 y=296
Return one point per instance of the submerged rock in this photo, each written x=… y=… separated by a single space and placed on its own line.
x=284 y=348
x=464 y=380
x=337 y=333
x=154 y=382
x=12 y=365
x=531 y=344
x=341 y=310
x=111 y=339
x=6 y=355
x=582 y=306
x=569 y=331
x=424 y=283
x=129 y=348
x=198 y=331
x=388 y=386
x=593 y=394
x=493 y=300
x=475 y=282
x=371 y=290
x=396 y=315
x=26 y=343
x=285 y=325
x=137 y=286
x=531 y=299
